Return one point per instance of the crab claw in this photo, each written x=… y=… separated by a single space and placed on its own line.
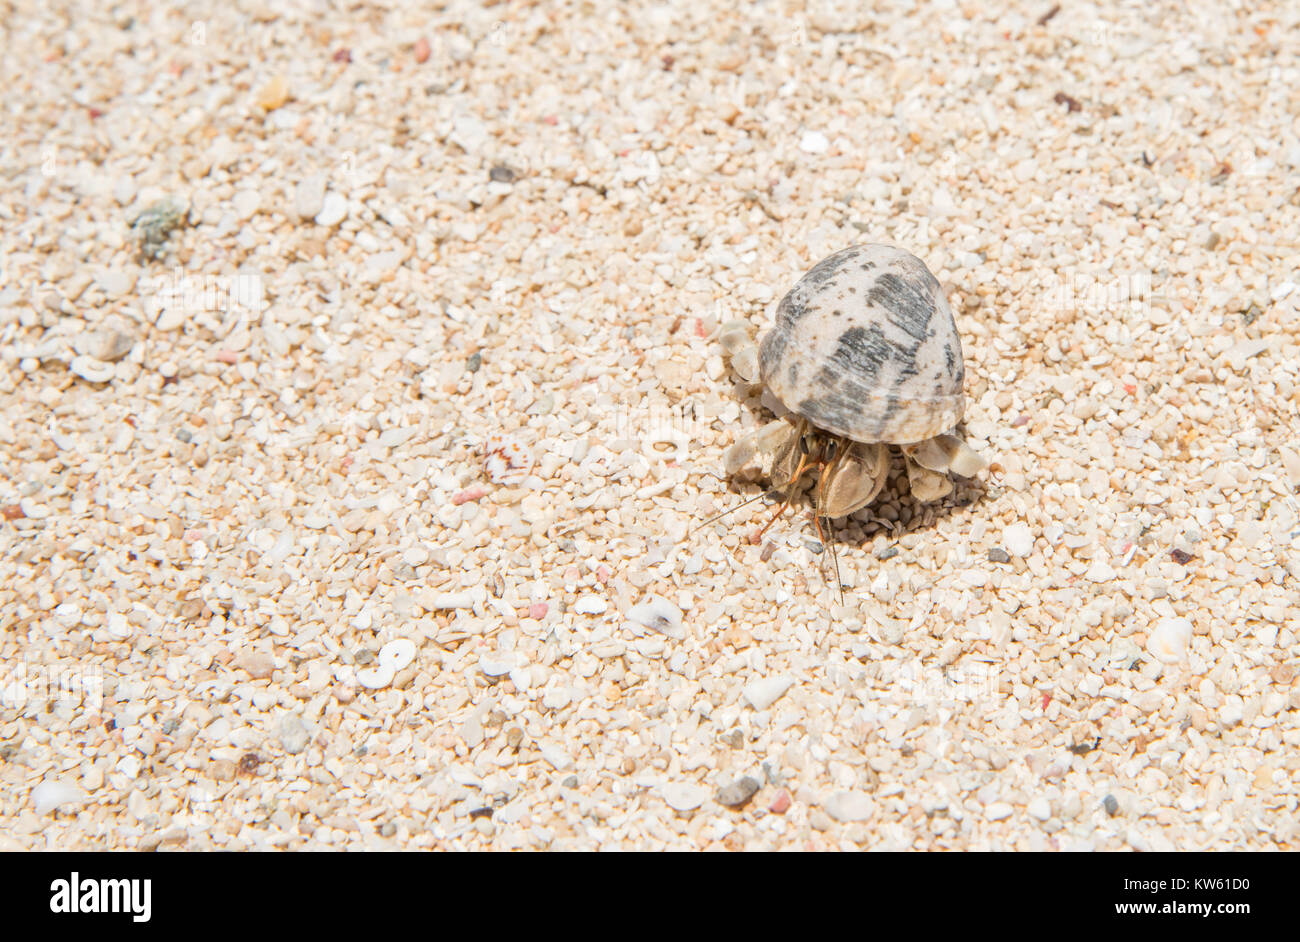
x=927 y=485
x=945 y=453
x=758 y=444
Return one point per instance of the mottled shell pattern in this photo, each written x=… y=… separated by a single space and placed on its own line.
x=865 y=346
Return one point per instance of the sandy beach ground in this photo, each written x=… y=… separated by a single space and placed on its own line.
x=360 y=407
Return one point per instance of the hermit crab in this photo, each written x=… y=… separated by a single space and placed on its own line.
x=864 y=354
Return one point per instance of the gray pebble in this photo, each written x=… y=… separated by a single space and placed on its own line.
x=501 y=174
x=293 y=734
x=570 y=782
x=737 y=794
x=999 y=555
x=735 y=739
x=474 y=362
x=154 y=226
x=889 y=552
x=108 y=346
x=1111 y=805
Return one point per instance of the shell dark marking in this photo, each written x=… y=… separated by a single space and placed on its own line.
x=907 y=304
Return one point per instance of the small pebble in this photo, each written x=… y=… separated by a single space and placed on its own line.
x=377 y=677
x=590 y=605
x=55 y=793
x=469 y=494
x=422 y=50
x=309 y=196
x=1111 y=805
x=257 y=664
x=293 y=734
x=761 y=694
x=501 y=174
x=1169 y=641
x=1180 y=557
x=684 y=797
x=1231 y=713
x=1100 y=571
x=449 y=600
x=473 y=363
x=658 y=614
x=334 y=209
x=496 y=668
x=115 y=282
x=1291 y=465
x=1018 y=540
x=118 y=626
x=246 y=203
x=274 y=94
x=814 y=142
x=1039 y=808
x=998 y=555
x=781 y=803
x=537 y=610
x=91 y=370
x=849 y=806
x=557 y=698
x=108 y=346
x=738 y=794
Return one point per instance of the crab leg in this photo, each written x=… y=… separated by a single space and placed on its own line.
x=789 y=494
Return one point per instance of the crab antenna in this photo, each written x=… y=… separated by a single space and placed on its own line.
x=730 y=511
x=835 y=559
x=830 y=460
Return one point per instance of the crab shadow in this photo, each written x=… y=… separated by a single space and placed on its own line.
x=869 y=524
x=894 y=513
